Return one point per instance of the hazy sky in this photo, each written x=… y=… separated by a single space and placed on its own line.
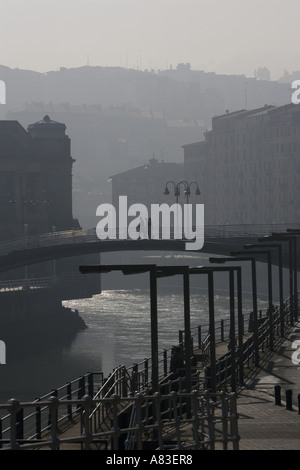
x=232 y=36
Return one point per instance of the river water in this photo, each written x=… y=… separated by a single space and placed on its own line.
x=118 y=332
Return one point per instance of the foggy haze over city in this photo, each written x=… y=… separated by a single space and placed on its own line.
x=144 y=143
x=232 y=37
x=134 y=79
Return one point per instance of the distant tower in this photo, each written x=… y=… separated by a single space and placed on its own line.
x=54 y=149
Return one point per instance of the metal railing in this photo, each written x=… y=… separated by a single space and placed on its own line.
x=85 y=236
x=42 y=282
x=32 y=421
x=159 y=422
x=99 y=395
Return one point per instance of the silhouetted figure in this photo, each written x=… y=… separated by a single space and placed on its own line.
x=177 y=365
x=270 y=310
x=149 y=228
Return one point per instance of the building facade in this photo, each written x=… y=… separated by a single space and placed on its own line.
x=248 y=167
x=35 y=179
x=146 y=184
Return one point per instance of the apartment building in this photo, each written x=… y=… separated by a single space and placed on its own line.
x=248 y=166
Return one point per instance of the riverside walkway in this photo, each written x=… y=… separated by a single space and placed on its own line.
x=263 y=424
x=267 y=418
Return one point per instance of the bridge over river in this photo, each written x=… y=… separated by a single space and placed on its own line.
x=219 y=240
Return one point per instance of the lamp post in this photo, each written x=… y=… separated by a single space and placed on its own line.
x=187 y=191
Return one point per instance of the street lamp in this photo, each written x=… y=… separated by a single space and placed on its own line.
x=187 y=189
x=187 y=192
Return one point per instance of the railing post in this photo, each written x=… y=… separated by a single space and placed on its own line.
x=87 y=434
x=38 y=422
x=134 y=378
x=234 y=421
x=90 y=384
x=180 y=337
x=13 y=409
x=54 y=394
x=277 y=390
x=124 y=383
x=81 y=389
x=222 y=330
x=53 y=411
x=165 y=355
x=146 y=372
x=289 y=394
x=20 y=424
x=199 y=336
x=115 y=425
x=69 y=397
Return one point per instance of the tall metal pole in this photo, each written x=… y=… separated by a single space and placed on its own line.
x=212 y=337
x=280 y=276
x=292 y=275
x=187 y=329
x=154 y=328
x=232 y=330
x=240 y=325
x=270 y=291
x=255 y=324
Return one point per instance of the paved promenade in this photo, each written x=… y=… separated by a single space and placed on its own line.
x=263 y=425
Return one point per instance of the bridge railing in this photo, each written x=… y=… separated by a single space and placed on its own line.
x=86 y=236
x=41 y=282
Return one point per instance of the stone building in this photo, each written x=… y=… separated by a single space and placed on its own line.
x=145 y=184
x=35 y=179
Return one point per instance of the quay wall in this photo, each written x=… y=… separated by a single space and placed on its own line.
x=33 y=320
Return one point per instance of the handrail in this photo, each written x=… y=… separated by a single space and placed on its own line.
x=205 y=423
x=85 y=236
x=42 y=282
x=127 y=382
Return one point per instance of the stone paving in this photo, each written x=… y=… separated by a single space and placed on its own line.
x=264 y=425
